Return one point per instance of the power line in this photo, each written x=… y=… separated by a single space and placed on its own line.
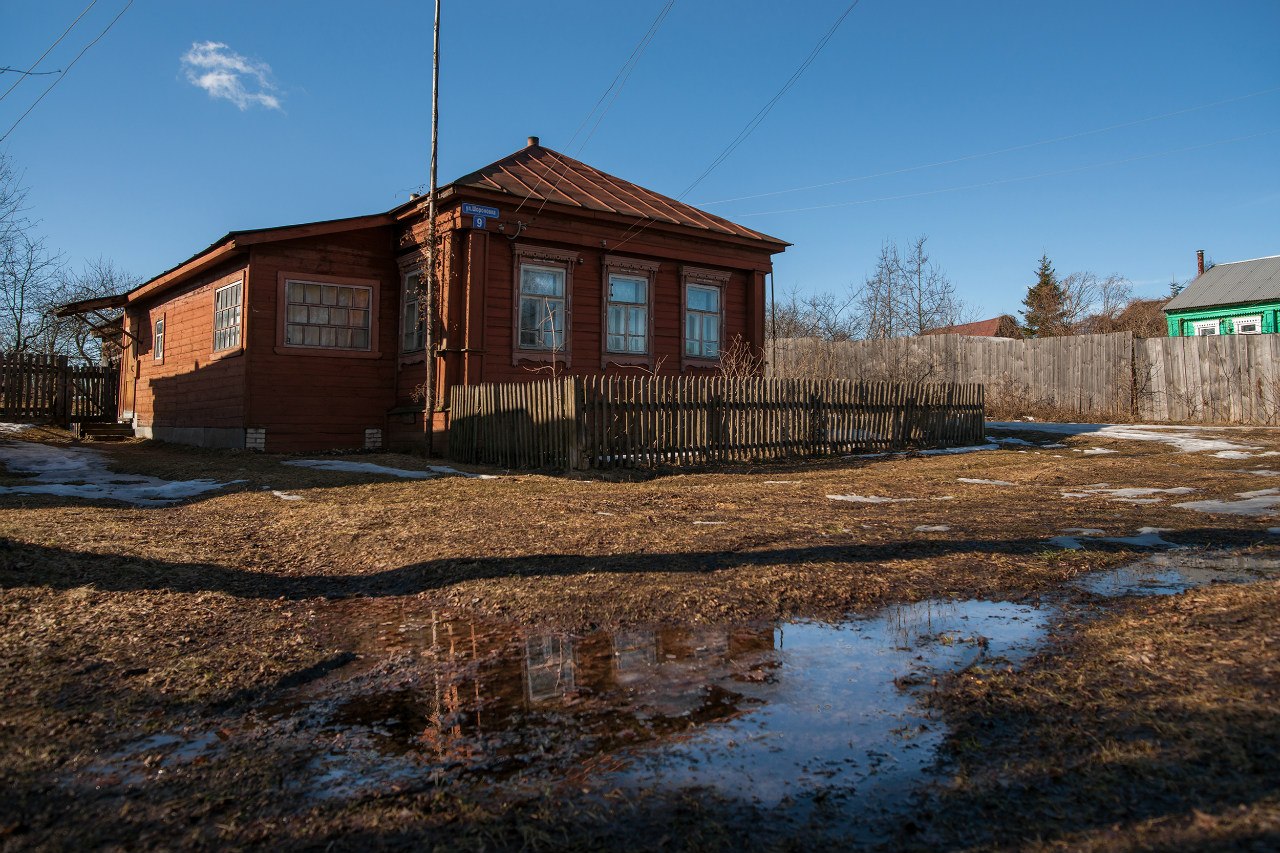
x=1017 y=179
x=1008 y=150
x=755 y=121
x=63 y=75
x=624 y=74
x=92 y=3
x=6 y=70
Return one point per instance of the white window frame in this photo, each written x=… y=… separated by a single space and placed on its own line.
x=368 y=308
x=1237 y=322
x=1206 y=328
x=627 y=310
x=703 y=315
x=413 y=331
x=157 y=339
x=234 y=310
x=560 y=335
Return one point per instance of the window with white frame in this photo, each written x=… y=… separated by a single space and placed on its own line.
x=328 y=316
x=1206 y=327
x=227 y=314
x=628 y=314
x=542 y=307
x=702 y=321
x=413 y=332
x=1248 y=325
x=157 y=340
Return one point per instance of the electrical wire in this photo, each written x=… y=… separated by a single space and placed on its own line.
x=997 y=151
x=47 y=52
x=751 y=125
x=63 y=75
x=1017 y=179
x=619 y=80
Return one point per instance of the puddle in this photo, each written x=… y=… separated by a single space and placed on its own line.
x=789 y=722
x=1170 y=574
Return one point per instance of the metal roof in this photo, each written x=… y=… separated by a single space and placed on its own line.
x=1236 y=283
x=535 y=174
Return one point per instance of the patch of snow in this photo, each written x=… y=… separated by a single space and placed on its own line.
x=14 y=428
x=1084 y=531
x=943 y=498
x=78 y=472
x=869 y=499
x=708 y=522
x=947 y=451
x=779 y=482
x=1241 y=454
x=1184 y=439
x=1093 y=451
x=285 y=496
x=1131 y=495
x=933 y=528
x=1018 y=441
x=1264 y=472
x=983 y=482
x=1257 y=503
x=350 y=467
x=602 y=512
x=1147 y=537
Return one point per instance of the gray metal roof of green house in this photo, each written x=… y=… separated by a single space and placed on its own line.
x=1236 y=283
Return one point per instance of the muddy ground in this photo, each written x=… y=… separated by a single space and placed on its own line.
x=1151 y=723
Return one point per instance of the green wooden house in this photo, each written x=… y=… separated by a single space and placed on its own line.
x=1239 y=298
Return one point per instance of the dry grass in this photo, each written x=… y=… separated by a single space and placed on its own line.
x=117 y=621
x=1154 y=728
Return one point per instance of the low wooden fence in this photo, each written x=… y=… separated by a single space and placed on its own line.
x=602 y=422
x=41 y=387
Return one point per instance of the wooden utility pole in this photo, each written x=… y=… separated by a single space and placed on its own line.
x=429 y=319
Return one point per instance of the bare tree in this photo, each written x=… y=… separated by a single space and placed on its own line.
x=828 y=316
x=28 y=275
x=907 y=293
x=77 y=336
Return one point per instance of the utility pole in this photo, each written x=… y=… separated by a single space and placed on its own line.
x=429 y=320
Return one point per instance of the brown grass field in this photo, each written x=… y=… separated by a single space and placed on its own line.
x=1152 y=724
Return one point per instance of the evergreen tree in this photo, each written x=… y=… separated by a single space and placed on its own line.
x=1175 y=287
x=1046 y=311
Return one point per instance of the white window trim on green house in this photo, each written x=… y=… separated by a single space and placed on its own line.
x=1188 y=323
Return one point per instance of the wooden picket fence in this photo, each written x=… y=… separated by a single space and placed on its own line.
x=604 y=422
x=48 y=388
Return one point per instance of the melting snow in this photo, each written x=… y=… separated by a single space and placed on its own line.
x=933 y=528
x=1132 y=495
x=13 y=428
x=1147 y=537
x=1093 y=451
x=708 y=522
x=779 y=482
x=869 y=499
x=79 y=472
x=1185 y=439
x=983 y=482
x=1241 y=454
x=1264 y=472
x=370 y=468
x=946 y=451
x=1260 y=502
x=285 y=496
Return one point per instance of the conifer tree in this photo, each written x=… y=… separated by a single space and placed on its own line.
x=1046 y=311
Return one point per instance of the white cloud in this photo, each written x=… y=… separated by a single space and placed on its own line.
x=223 y=73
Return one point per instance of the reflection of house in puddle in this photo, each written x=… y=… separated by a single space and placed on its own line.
x=488 y=696
x=548 y=666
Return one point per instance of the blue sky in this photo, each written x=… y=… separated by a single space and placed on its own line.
x=127 y=158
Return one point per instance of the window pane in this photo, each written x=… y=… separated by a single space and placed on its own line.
x=635 y=344
x=357 y=318
x=617 y=320
x=311 y=336
x=338 y=316
x=312 y=295
x=703 y=298
x=617 y=343
x=710 y=327
x=293 y=335
x=623 y=289
x=360 y=339
x=296 y=291
x=691 y=327
x=637 y=321
x=542 y=280
x=329 y=294
x=343 y=338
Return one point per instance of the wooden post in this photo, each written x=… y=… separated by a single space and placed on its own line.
x=62 y=401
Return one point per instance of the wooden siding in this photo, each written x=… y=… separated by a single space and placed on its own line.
x=319 y=401
x=190 y=387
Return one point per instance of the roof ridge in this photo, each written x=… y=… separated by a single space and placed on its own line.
x=1245 y=261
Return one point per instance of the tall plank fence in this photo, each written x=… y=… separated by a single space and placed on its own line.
x=42 y=387
x=1231 y=379
x=603 y=422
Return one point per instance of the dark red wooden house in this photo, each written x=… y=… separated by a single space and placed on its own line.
x=308 y=337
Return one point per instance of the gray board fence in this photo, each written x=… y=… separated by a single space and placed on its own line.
x=1227 y=379
x=605 y=422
